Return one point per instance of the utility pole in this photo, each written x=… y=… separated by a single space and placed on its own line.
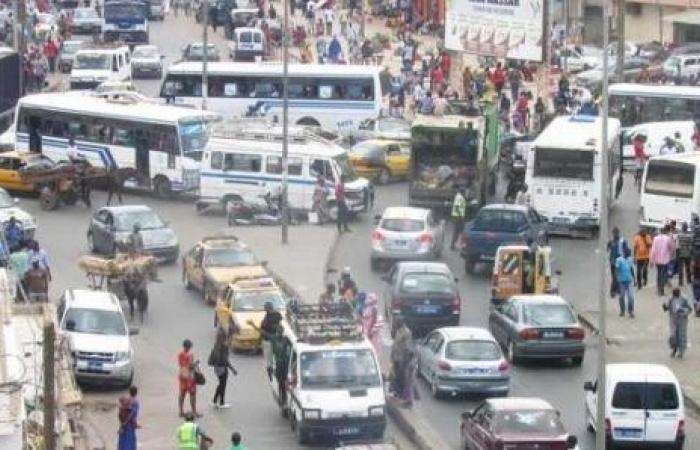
x=661 y=23
x=205 y=53
x=620 y=62
x=285 y=123
x=18 y=30
x=49 y=383
x=567 y=30
x=362 y=18
x=602 y=240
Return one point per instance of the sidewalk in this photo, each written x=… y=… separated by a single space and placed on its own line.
x=645 y=338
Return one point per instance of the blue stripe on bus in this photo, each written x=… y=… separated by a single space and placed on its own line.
x=251 y=179
x=322 y=104
x=103 y=152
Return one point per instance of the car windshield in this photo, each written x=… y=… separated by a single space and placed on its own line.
x=147 y=52
x=198 y=51
x=124 y=11
x=394 y=125
x=426 y=283
x=529 y=422
x=472 y=351
x=92 y=61
x=402 y=225
x=85 y=13
x=339 y=369
x=227 y=257
x=95 y=321
x=147 y=220
x=255 y=301
x=5 y=200
x=193 y=136
x=547 y=315
x=345 y=168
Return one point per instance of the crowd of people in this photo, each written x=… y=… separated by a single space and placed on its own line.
x=26 y=261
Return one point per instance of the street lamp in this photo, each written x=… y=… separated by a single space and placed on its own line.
x=285 y=122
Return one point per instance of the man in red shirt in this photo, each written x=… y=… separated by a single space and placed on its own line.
x=498 y=77
x=445 y=63
x=51 y=52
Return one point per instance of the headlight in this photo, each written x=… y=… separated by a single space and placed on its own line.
x=122 y=356
x=376 y=411
x=312 y=414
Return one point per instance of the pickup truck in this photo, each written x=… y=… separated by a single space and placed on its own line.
x=496 y=225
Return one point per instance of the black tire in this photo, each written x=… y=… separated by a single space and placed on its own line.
x=186 y=280
x=576 y=361
x=162 y=187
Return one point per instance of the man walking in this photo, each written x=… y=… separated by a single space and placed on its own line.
x=684 y=254
x=662 y=251
x=459 y=213
x=191 y=437
x=219 y=361
x=678 y=308
x=616 y=247
x=343 y=210
x=268 y=328
x=625 y=280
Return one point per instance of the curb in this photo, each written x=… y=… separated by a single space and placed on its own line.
x=420 y=435
x=690 y=402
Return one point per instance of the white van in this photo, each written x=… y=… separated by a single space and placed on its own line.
x=92 y=66
x=334 y=387
x=670 y=189
x=247 y=44
x=643 y=406
x=689 y=65
x=654 y=134
x=564 y=173
x=247 y=164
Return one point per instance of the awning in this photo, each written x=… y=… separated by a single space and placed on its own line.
x=688 y=17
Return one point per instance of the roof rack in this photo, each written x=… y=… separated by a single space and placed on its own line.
x=225 y=237
x=320 y=324
x=260 y=129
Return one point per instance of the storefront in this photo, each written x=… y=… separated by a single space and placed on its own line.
x=686 y=26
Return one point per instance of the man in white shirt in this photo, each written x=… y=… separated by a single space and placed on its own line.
x=668 y=148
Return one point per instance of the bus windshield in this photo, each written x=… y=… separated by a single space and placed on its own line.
x=94 y=61
x=670 y=178
x=559 y=163
x=122 y=11
x=193 y=136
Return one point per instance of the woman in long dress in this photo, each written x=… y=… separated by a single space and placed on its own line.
x=372 y=322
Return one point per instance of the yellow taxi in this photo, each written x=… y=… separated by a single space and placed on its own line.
x=242 y=305
x=381 y=160
x=13 y=163
x=214 y=262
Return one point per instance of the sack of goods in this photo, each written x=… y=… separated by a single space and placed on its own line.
x=118 y=266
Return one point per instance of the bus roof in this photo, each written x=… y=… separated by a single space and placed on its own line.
x=576 y=133
x=451 y=121
x=227 y=68
x=687 y=157
x=654 y=90
x=128 y=109
x=315 y=146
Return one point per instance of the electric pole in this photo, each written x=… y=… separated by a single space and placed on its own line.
x=620 y=62
x=602 y=240
x=49 y=357
x=285 y=123
x=205 y=53
x=567 y=26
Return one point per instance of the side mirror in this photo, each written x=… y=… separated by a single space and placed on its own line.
x=589 y=386
x=133 y=331
x=571 y=441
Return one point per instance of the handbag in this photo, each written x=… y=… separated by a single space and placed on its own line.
x=199 y=378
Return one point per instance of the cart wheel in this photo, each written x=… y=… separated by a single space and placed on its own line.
x=48 y=199
x=70 y=197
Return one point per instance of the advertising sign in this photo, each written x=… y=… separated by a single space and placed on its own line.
x=501 y=28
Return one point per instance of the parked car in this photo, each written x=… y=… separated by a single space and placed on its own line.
x=643 y=407
x=515 y=423
x=424 y=294
x=195 y=52
x=98 y=336
x=632 y=67
x=146 y=60
x=67 y=54
x=381 y=160
x=391 y=128
x=9 y=209
x=653 y=51
x=247 y=44
x=406 y=233
x=86 y=21
x=496 y=225
x=685 y=65
x=110 y=227
x=214 y=262
x=463 y=359
x=538 y=326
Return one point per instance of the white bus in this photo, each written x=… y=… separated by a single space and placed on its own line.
x=670 y=189
x=332 y=96
x=564 y=173
x=634 y=104
x=118 y=132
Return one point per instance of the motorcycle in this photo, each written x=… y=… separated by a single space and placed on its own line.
x=241 y=212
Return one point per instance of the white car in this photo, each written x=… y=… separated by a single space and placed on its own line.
x=463 y=360
x=98 y=336
x=8 y=209
x=577 y=60
x=146 y=60
x=86 y=21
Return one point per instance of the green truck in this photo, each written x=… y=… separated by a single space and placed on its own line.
x=451 y=152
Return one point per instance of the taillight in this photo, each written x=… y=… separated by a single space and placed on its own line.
x=456 y=304
x=529 y=334
x=680 y=433
x=425 y=238
x=503 y=366
x=576 y=333
x=377 y=236
x=608 y=427
x=444 y=365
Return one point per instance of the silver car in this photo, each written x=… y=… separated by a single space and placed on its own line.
x=384 y=128
x=146 y=60
x=86 y=21
x=111 y=226
x=67 y=54
x=538 y=326
x=463 y=359
x=406 y=233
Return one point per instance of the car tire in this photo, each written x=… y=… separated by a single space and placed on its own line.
x=384 y=176
x=512 y=353
x=207 y=294
x=576 y=361
x=91 y=243
x=162 y=187
x=434 y=390
x=186 y=280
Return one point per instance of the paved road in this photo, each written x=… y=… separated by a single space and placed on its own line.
x=558 y=383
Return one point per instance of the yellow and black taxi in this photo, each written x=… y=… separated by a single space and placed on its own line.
x=214 y=262
x=242 y=305
x=381 y=160
x=13 y=164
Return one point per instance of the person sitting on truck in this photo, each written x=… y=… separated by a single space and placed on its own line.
x=280 y=351
x=669 y=146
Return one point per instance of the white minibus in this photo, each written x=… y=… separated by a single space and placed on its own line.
x=92 y=66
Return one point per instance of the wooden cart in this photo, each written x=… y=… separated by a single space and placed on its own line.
x=62 y=184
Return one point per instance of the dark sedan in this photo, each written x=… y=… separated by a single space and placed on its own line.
x=515 y=423
x=424 y=294
x=538 y=326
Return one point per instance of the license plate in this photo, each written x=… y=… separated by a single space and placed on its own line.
x=94 y=364
x=399 y=243
x=427 y=309
x=472 y=371
x=346 y=431
x=628 y=432
x=552 y=334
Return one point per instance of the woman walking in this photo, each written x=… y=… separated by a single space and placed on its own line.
x=372 y=324
x=678 y=308
x=218 y=359
x=128 y=420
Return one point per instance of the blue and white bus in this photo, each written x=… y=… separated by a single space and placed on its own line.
x=126 y=21
x=158 y=142
x=330 y=96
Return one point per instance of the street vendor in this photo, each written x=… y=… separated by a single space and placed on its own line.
x=135 y=240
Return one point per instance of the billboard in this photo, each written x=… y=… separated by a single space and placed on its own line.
x=501 y=28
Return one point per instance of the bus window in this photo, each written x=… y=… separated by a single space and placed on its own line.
x=274 y=165
x=216 y=160
x=670 y=178
x=242 y=162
